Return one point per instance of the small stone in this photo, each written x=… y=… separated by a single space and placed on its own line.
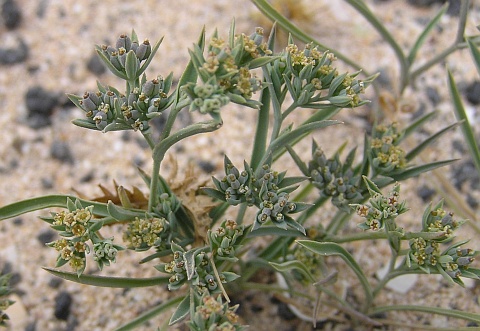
x=31 y=326
x=96 y=66
x=63 y=303
x=433 y=95
x=207 y=166
x=425 y=193
x=472 y=93
x=60 y=151
x=11 y=14
x=40 y=105
x=454 y=7
x=472 y=202
x=465 y=172
x=55 y=282
x=13 y=55
x=18 y=221
x=46 y=236
x=284 y=312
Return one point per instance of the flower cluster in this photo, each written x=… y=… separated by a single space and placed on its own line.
x=267 y=189
x=225 y=239
x=109 y=107
x=334 y=179
x=425 y=252
x=143 y=233
x=214 y=315
x=206 y=98
x=194 y=267
x=77 y=227
x=309 y=71
x=127 y=54
x=225 y=72
x=4 y=301
x=380 y=208
x=387 y=156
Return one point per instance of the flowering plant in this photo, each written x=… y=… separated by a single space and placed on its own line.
x=206 y=252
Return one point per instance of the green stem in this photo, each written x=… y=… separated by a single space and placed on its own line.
x=290 y=108
x=260 y=141
x=162 y=147
x=373 y=20
x=148 y=137
x=457 y=44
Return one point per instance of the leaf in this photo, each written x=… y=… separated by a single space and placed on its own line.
x=415 y=171
x=293 y=265
x=371 y=186
x=430 y=310
x=139 y=320
x=261 y=61
x=131 y=66
x=47 y=201
x=273 y=231
x=461 y=115
x=109 y=65
x=419 y=122
x=421 y=38
x=182 y=311
x=150 y=58
x=103 y=281
x=122 y=214
x=214 y=193
x=418 y=149
x=330 y=248
x=85 y=124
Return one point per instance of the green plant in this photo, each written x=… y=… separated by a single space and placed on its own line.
x=209 y=264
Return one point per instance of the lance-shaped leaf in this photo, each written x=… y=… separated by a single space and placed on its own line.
x=328 y=249
x=182 y=311
x=415 y=171
x=293 y=265
x=122 y=214
x=103 y=281
x=47 y=201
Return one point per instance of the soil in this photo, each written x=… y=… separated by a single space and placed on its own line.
x=51 y=53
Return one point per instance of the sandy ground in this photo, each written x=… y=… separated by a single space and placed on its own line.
x=60 y=36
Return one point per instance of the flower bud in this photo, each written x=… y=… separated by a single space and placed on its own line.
x=90 y=101
x=144 y=50
x=124 y=42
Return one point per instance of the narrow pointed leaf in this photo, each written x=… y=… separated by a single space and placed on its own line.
x=146 y=316
x=109 y=65
x=122 y=214
x=182 y=311
x=421 y=38
x=328 y=249
x=416 y=124
x=461 y=115
x=293 y=265
x=47 y=201
x=151 y=56
x=418 y=149
x=85 y=124
x=415 y=171
x=103 y=281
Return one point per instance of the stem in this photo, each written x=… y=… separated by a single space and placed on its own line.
x=162 y=147
x=290 y=108
x=457 y=44
x=148 y=137
x=260 y=141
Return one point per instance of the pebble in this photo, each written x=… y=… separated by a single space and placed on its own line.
x=425 y=193
x=13 y=55
x=472 y=92
x=55 y=282
x=424 y=3
x=465 y=172
x=206 y=166
x=433 y=95
x=40 y=105
x=60 y=150
x=96 y=66
x=63 y=303
x=46 y=236
x=11 y=14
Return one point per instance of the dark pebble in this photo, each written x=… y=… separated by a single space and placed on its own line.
x=465 y=172
x=46 y=236
x=284 y=312
x=55 y=282
x=42 y=8
x=454 y=7
x=11 y=14
x=472 y=92
x=425 y=193
x=256 y=308
x=63 y=303
x=31 y=326
x=13 y=55
x=40 y=105
x=96 y=66
x=18 y=221
x=47 y=183
x=88 y=177
x=433 y=95
x=472 y=202
x=60 y=151
x=206 y=166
